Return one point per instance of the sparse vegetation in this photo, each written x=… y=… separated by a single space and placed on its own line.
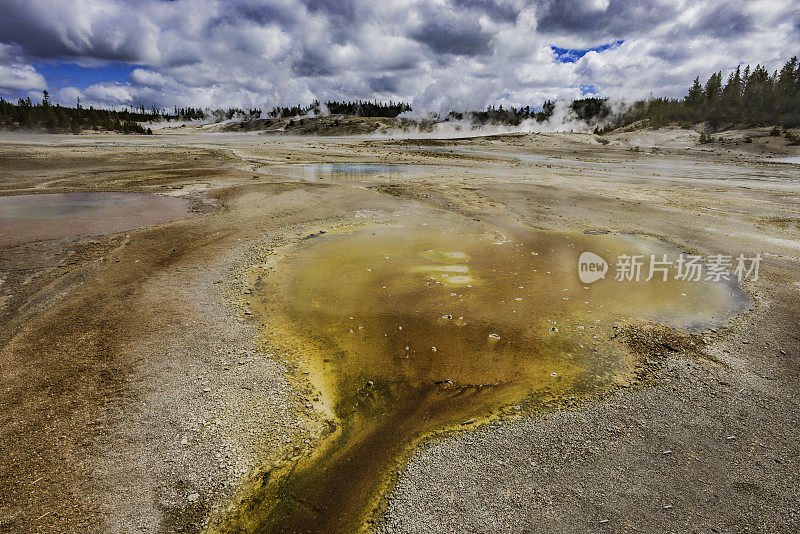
x=705 y=138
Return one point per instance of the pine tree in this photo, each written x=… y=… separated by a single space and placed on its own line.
x=713 y=89
x=695 y=96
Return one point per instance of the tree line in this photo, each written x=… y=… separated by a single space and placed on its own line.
x=55 y=118
x=356 y=108
x=500 y=115
x=748 y=96
x=359 y=108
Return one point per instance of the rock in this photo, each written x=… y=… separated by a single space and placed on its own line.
x=193 y=497
x=494 y=336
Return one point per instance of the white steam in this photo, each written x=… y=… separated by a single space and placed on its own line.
x=418 y=125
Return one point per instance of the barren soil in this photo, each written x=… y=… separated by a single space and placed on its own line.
x=141 y=390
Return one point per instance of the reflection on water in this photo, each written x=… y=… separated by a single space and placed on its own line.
x=54 y=216
x=411 y=329
x=354 y=171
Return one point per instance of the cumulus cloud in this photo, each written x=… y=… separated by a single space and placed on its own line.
x=16 y=76
x=437 y=54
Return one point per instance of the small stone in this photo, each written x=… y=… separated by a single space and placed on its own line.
x=494 y=336
x=206 y=390
x=193 y=497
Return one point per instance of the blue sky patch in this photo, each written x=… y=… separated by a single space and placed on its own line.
x=571 y=55
x=62 y=74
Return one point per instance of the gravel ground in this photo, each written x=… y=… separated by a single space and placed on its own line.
x=204 y=415
x=138 y=395
x=711 y=446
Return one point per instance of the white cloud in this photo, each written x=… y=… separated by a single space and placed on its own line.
x=20 y=78
x=16 y=76
x=439 y=54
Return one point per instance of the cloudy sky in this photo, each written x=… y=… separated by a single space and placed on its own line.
x=437 y=54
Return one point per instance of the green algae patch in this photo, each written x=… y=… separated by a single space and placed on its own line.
x=410 y=330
